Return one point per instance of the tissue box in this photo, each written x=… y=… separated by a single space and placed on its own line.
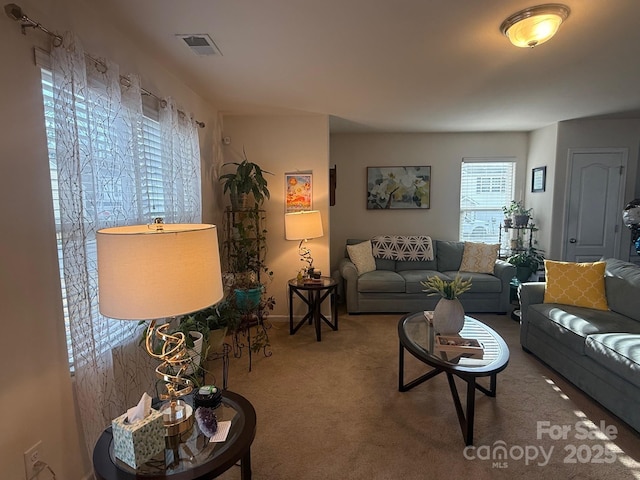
x=135 y=443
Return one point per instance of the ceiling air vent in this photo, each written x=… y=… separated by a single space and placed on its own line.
x=200 y=44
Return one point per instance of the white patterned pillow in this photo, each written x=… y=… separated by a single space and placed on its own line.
x=479 y=257
x=362 y=257
x=403 y=247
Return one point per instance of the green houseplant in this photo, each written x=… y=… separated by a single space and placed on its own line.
x=526 y=262
x=518 y=213
x=247 y=178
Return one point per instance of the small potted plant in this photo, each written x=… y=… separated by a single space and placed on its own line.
x=248 y=178
x=516 y=213
x=526 y=263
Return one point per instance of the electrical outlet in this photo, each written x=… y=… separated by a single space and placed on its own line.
x=31 y=457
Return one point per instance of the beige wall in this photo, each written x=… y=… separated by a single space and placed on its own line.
x=282 y=144
x=36 y=392
x=542 y=153
x=353 y=153
x=592 y=134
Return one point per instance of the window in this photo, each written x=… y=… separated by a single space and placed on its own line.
x=486 y=185
x=107 y=205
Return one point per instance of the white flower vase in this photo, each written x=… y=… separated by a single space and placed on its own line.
x=448 y=316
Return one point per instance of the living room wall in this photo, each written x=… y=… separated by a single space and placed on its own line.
x=36 y=388
x=283 y=144
x=593 y=133
x=542 y=153
x=353 y=153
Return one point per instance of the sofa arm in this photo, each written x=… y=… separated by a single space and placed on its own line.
x=349 y=273
x=530 y=293
x=504 y=271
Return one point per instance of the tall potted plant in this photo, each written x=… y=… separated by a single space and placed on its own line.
x=248 y=178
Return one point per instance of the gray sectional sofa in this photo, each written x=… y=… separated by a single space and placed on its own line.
x=394 y=286
x=597 y=350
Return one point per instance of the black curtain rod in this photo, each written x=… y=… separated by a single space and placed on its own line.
x=14 y=12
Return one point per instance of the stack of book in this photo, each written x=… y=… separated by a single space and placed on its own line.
x=459 y=346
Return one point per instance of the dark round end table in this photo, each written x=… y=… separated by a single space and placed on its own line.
x=316 y=293
x=190 y=455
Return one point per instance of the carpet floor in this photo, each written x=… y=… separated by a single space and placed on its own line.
x=332 y=410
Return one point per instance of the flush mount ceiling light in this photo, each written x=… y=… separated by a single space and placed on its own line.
x=534 y=25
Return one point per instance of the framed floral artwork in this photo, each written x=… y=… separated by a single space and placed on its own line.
x=398 y=187
x=298 y=192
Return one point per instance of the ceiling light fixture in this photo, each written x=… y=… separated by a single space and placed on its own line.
x=534 y=25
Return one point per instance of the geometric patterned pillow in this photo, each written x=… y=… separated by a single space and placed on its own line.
x=403 y=247
x=479 y=257
x=579 y=284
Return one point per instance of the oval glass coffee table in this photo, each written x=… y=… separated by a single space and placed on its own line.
x=190 y=455
x=418 y=337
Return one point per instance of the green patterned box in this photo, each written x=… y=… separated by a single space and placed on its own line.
x=135 y=443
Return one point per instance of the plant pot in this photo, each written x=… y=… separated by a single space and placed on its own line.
x=523 y=273
x=448 y=316
x=216 y=339
x=195 y=353
x=508 y=222
x=239 y=201
x=248 y=299
x=521 y=220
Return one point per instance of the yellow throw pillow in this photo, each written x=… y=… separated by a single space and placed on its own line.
x=361 y=254
x=479 y=257
x=579 y=284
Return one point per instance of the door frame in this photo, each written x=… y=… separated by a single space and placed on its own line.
x=621 y=195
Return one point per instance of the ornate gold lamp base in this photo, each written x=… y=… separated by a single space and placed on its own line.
x=177 y=416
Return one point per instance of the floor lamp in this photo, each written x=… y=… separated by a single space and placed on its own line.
x=150 y=272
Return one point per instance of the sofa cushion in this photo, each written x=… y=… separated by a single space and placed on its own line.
x=480 y=282
x=579 y=284
x=479 y=257
x=449 y=255
x=422 y=265
x=361 y=256
x=619 y=352
x=413 y=278
x=622 y=282
x=381 y=281
x=571 y=325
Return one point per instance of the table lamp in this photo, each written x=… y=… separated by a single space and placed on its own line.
x=303 y=226
x=148 y=272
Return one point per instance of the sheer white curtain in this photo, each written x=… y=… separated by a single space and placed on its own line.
x=108 y=175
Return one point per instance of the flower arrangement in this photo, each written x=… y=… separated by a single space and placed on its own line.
x=449 y=289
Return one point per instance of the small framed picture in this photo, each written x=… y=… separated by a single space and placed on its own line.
x=298 y=192
x=538 y=179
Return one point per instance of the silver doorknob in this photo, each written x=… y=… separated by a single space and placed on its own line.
x=572 y=240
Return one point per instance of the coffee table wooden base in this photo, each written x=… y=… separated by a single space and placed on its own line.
x=419 y=345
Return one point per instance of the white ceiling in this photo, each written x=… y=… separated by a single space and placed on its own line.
x=398 y=65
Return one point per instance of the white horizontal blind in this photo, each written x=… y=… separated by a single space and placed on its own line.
x=107 y=207
x=485 y=187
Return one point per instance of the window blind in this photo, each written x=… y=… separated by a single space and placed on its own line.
x=485 y=187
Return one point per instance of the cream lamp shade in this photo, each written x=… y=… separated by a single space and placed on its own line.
x=303 y=225
x=534 y=25
x=158 y=271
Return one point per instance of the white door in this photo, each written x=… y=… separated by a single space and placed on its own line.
x=595 y=195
